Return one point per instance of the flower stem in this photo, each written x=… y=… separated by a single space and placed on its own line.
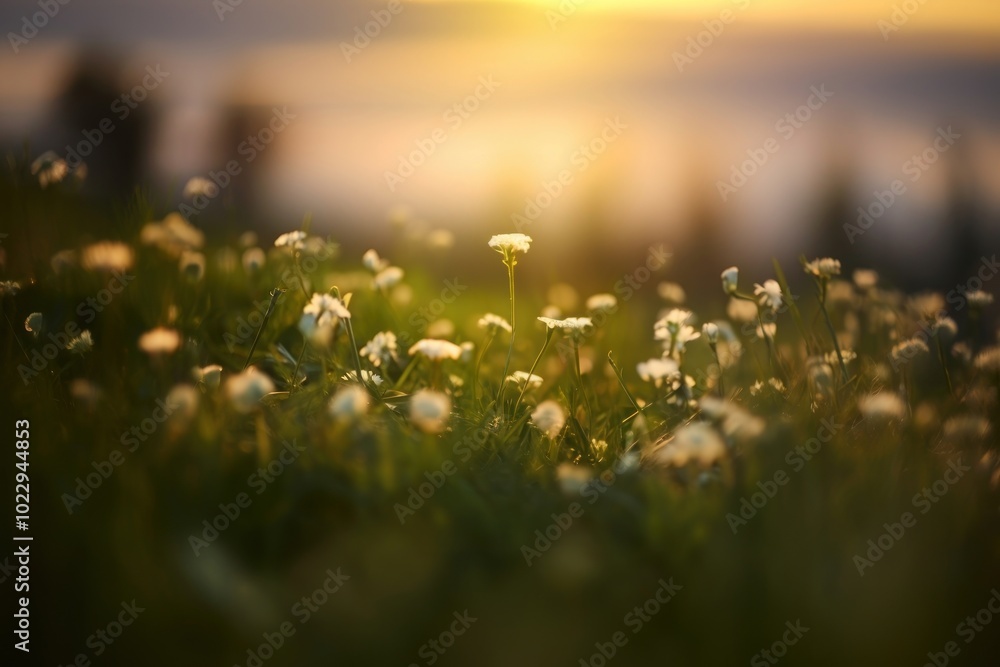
x=275 y=293
x=579 y=379
x=621 y=381
x=548 y=337
x=944 y=365
x=833 y=333
x=479 y=362
x=509 y=261
x=722 y=387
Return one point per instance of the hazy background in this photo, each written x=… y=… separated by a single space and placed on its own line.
x=560 y=80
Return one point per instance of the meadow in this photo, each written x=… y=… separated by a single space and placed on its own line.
x=258 y=449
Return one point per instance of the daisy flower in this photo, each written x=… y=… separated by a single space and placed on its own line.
x=388 y=278
x=574 y=327
x=82 y=344
x=883 y=406
x=210 y=375
x=602 y=303
x=373 y=262
x=246 y=389
x=769 y=293
x=349 y=403
x=549 y=418
x=520 y=378
x=824 y=268
x=698 y=442
x=321 y=316
x=658 y=371
x=510 y=244
x=493 y=324
x=430 y=410
x=295 y=240
x=381 y=349
x=435 y=349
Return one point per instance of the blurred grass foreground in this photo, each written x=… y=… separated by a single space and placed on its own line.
x=263 y=450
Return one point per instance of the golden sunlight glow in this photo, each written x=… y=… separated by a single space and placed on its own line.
x=975 y=15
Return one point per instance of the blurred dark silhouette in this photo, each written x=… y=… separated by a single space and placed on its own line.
x=91 y=96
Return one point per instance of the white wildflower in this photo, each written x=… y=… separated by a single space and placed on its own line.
x=430 y=410
x=698 y=442
x=210 y=375
x=435 y=349
x=711 y=332
x=519 y=378
x=199 y=185
x=82 y=344
x=575 y=327
x=295 y=240
x=34 y=323
x=883 y=406
x=381 y=349
x=865 y=279
x=107 y=256
x=549 y=417
x=741 y=310
x=493 y=324
x=671 y=292
x=658 y=371
x=602 y=303
x=173 y=235
x=573 y=479
x=388 y=278
x=442 y=328
x=769 y=293
x=159 y=341
x=510 y=244
x=320 y=318
x=349 y=403
x=730 y=280
x=373 y=262
x=247 y=388
x=824 y=268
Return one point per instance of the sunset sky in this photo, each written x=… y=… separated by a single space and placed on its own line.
x=359 y=117
x=977 y=15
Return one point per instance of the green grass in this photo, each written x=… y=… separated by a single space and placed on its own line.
x=337 y=503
